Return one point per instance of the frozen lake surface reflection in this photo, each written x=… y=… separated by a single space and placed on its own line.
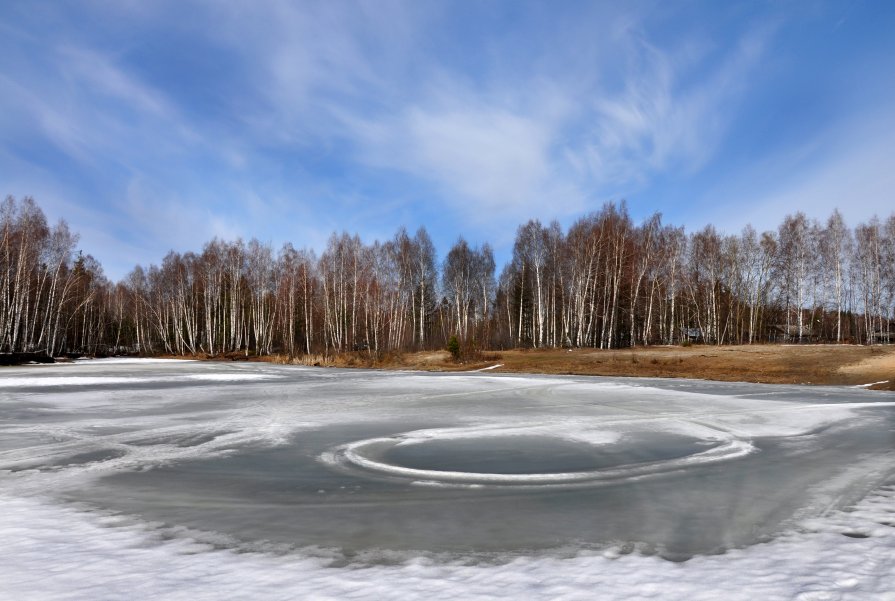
x=379 y=468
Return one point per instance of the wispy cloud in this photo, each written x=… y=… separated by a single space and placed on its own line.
x=91 y=109
x=176 y=121
x=307 y=62
x=663 y=117
x=86 y=68
x=479 y=153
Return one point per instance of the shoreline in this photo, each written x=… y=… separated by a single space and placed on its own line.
x=871 y=367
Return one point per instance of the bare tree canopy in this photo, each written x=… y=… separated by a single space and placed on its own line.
x=606 y=282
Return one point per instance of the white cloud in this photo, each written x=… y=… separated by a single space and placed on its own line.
x=99 y=74
x=657 y=121
x=483 y=153
x=529 y=146
x=308 y=62
x=327 y=102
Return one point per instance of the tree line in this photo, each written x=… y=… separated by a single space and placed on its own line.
x=605 y=282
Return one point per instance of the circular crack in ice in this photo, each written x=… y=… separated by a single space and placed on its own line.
x=370 y=455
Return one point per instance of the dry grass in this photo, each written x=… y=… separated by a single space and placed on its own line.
x=821 y=364
x=781 y=364
x=356 y=359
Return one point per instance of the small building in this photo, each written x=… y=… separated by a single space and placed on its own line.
x=789 y=334
x=884 y=335
x=691 y=335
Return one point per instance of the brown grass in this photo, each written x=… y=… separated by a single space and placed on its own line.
x=806 y=364
x=781 y=364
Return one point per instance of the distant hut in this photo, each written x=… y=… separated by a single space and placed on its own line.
x=789 y=334
x=692 y=335
x=884 y=335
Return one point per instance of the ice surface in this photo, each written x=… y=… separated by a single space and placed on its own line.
x=239 y=499
x=54 y=381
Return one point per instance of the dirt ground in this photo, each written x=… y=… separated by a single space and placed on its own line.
x=782 y=364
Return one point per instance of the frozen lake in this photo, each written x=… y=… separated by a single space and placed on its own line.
x=184 y=479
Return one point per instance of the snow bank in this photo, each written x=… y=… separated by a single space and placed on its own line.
x=52 y=552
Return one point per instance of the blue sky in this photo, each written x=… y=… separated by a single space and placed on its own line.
x=152 y=126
